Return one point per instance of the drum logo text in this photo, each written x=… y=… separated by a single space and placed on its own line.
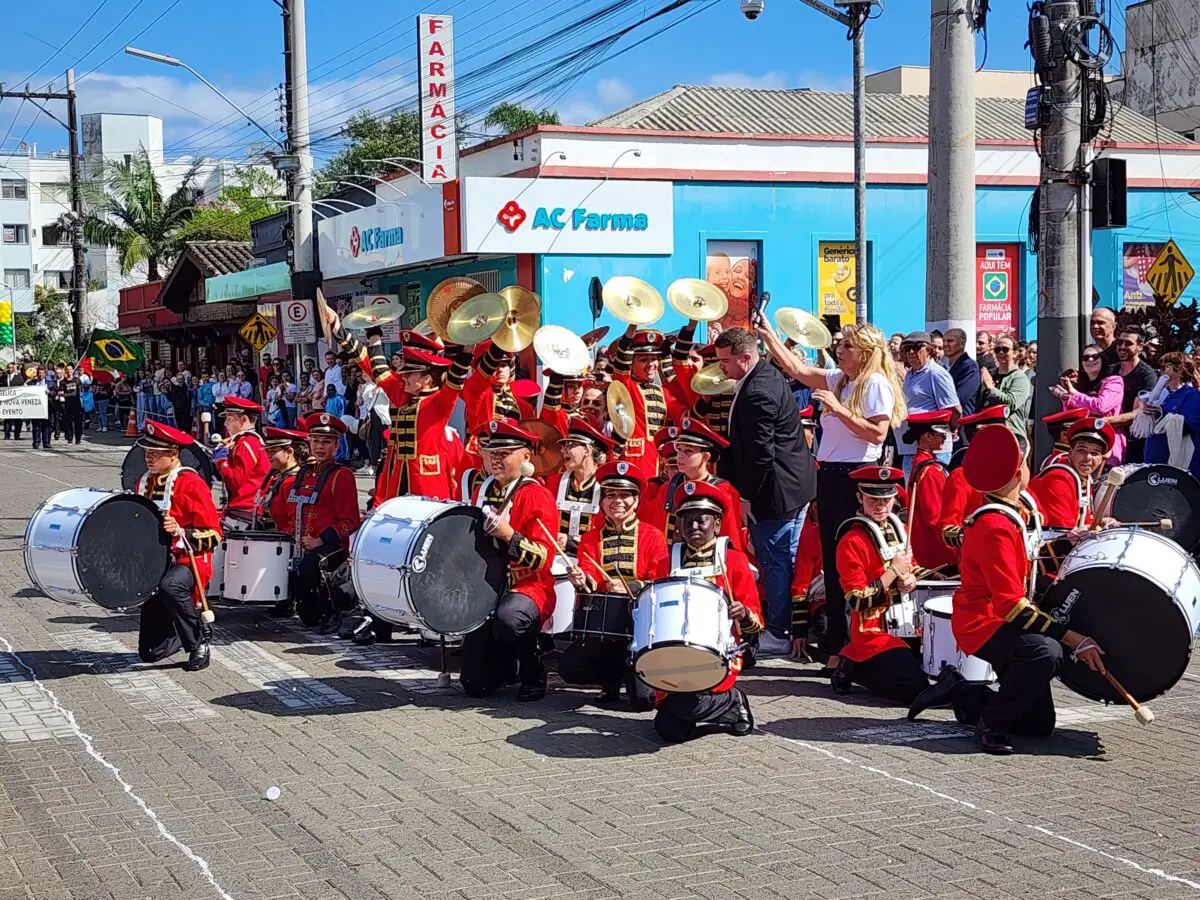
x=1154 y=480
x=418 y=563
x=1062 y=615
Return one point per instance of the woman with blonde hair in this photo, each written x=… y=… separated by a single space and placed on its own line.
x=859 y=401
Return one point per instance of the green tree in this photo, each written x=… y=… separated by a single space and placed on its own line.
x=229 y=218
x=127 y=211
x=511 y=118
x=371 y=138
x=45 y=333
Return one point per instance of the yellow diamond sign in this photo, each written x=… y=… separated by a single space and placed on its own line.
x=258 y=331
x=1170 y=273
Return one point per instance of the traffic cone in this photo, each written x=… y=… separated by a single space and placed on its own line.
x=131 y=428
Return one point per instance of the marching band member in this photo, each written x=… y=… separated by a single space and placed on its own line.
x=520 y=514
x=875 y=569
x=617 y=557
x=926 y=485
x=809 y=564
x=488 y=393
x=284 y=447
x=958 y=498
x=241 y=462
x=636 y=365
x=686 y=359
x=576 y=489
x=561 y=400
x=170 y=619
x=422 y=394
x=992 y=616
x=323 y=515
x=1057 y=424
x=703 y=554
x=594 y=408
x=1063 y=490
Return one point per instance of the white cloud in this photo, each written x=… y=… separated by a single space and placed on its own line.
x=778 y=81
x=614 y=91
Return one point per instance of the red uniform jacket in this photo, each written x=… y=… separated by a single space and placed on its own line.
x=860 y=568
x=281 y=512
x=531 y=513
x=332 y=514
x=926 y=486
x=1062 y=496
x=958 y=499
x=193 y=508
x=1061 y=455
x=273 y=496
x=485 y=401
x=809 y=564
x=243 y=470
x=995 y=581
x=653 y=510
x=552 y=410
x=633 y=551
x=652 y=409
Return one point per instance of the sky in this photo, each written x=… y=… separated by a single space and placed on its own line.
x=362 y=56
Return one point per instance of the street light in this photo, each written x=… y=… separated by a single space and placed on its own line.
x=179 y=63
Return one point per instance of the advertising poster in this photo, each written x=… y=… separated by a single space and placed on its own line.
x=836 y=293
x=1136 y=260
x=733 y=267
x=997 y=288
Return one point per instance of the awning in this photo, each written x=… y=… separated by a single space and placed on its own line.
x=258 y=282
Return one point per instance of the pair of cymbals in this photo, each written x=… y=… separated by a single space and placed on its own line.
x=620 y=409
x=510 y=318
x=561 y=350
x=803 y=328
x=373 y=316
x=547 y=455
x=446 y=297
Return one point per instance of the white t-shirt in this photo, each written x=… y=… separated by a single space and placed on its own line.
x=838 y=443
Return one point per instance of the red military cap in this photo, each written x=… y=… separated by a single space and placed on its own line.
x=1065 y=417
x=241 y=407
x=620 y=475
x=505 y=434
x=696 y=433
x=993 y=459
x=414 y=359
x=323 y=423
x=159 y=436
x=410 y=338
x=278 y=438
x=700 y=495
x=993 y=415
x=649 y=341
x=581 y=431
x=525 y=388
x=808 y=416
x=666 y=435
x=481 y=348
x=878 y=481
x=1091 y=429
x=919 y=423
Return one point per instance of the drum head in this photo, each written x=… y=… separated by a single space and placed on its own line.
x=457 y=573
x=194 y=456
x=1162 y=492
x=677 y=667
x=1146 y=637
x=122 y=551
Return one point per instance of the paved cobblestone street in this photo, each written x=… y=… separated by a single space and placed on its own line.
x=125 y=781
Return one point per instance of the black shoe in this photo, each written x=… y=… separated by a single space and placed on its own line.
x=198 y=659
x=840 y=679
x=365 y=638
x=745 y=719
x=610 y=693
x=937 y=694
x=352 y=625
x=993 y=742
x=533 y=681
x=329 y=625
x=284 y=609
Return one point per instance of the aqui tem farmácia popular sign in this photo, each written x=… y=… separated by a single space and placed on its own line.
x=997 y=288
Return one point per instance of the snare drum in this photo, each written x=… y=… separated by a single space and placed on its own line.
x=901 y=618
x=682 y=635
x=230 y=525
x=564 y=598
x=938 y=647
x=428 y=564
x=256 y=566
x=603 y=617
x=102 y=546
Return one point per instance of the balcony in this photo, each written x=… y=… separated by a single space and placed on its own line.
x=139 y=308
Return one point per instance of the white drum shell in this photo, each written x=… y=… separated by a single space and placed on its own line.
x=938 y=647
x=50 y=540
x=256 y=568
x=563 y=619
x=683 y=619
x=902 y=619
x=216 y=584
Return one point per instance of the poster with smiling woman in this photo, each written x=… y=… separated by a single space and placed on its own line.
x=733 y=267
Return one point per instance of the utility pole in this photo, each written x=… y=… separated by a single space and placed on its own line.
x=304 y=279
x=950 y=227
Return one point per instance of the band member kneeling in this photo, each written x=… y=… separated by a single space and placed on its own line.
x=617 y=558
x=520 y=514
x=170 y=619
x=993 y=618
x=700 y=509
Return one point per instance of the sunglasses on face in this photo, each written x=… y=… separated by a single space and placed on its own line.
x=1004 y=349
x=1091 y=357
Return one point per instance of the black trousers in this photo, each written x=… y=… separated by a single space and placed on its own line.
x=311 y=589
x=1025 y=664
x=41 y=432
x=12 y=428
x=893 y=675
x=170 y=621
x=604 y=663
x=493 y=651
x=72 y=420
x=837 y=501
x=683 y=716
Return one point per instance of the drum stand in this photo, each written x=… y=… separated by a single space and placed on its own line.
x=443 y=679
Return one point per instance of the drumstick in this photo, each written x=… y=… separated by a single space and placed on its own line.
x=557 y=549
x=1143 y=714
x=207 y=616
x=1160 y=523
x=624 y=583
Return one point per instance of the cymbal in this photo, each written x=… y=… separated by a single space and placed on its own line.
x=524 y=315
x=697 y=299
x=547 y=456
x=423 y=327
x=561 y=350
x=476 y=319
x=632 y=300
x=620 y=409
x=595 y=336
x=446 y=297
x=372 y=316
x=803 y=328
x=710 y=381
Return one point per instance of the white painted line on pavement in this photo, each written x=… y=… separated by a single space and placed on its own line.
x=90 y=747
x=38 y=474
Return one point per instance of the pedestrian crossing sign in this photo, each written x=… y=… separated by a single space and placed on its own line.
x=258 y=331
x=1170 y=273
x=995 y=286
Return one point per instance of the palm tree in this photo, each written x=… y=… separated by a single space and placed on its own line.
x=511 y=118
x=127 y=211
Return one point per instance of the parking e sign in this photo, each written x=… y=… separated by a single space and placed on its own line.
x=298 y=324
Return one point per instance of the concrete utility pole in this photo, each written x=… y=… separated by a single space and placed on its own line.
x=950 y=229
x=304 y=279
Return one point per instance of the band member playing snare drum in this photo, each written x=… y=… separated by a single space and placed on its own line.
x=704 y=554
x=926 y=485
x=170 y=619
x=618 y=557
x=241 y=460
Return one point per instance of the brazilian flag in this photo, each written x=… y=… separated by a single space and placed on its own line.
x=109 y=350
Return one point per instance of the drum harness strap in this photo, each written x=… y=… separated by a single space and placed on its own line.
x=576 y=508
x=1082 y=492
x=268 y=489
x=714 y=571
x=887 y=552
x=1033 y=538
x=168 y=487
x=302 y=502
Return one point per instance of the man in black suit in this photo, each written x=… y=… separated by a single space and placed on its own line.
x=769 y=463
x=14 y=377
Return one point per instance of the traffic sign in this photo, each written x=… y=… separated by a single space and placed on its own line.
x=389 y=334
x=1170 y=273
x=298 y=324
x=258 y=331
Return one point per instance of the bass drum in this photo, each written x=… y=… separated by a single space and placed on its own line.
x=104 y=547
x=1138 y=595
x=193 y=456
x=428 y=564
x=1147 y=493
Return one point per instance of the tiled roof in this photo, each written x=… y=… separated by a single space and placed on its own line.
x=751 y=111
x=220 y=257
